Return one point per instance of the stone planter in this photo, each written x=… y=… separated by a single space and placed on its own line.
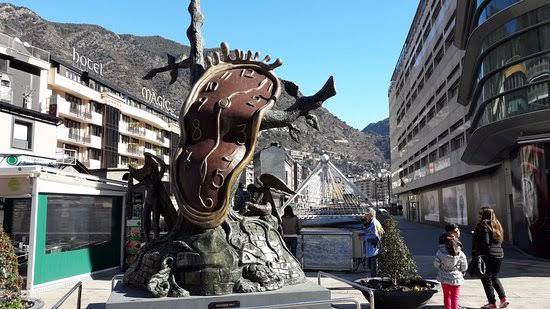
x=411 y=294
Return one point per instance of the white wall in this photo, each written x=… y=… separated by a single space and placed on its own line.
x=43 y=137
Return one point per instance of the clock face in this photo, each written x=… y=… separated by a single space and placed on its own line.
x=220 y=129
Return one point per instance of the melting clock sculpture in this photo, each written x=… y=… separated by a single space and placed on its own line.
x=215 y=246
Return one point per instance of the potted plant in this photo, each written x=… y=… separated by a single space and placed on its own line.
x=399 y=286
x=10 y=281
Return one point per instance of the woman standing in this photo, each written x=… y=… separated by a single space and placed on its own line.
x=487 y=243
x=291 y=229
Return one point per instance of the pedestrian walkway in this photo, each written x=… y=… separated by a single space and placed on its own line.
x=526 y=279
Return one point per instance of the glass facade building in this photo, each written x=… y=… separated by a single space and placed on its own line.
x=470 y=119
x=506 y=89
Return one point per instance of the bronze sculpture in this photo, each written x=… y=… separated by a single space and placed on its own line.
x=213 y=247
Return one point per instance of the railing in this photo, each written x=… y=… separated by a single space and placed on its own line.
x=66 y=156
x=81 y=113
x=136 y=129
x=352 y=284
x=71 y=291
x=10 y=42
x=160 y=137
x=135 y=149
x=75 y=136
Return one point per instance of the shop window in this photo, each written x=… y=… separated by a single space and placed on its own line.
x=22 y=134
x=77 y=222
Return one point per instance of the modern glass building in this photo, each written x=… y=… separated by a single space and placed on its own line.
x=505 y=88
x=469 y=117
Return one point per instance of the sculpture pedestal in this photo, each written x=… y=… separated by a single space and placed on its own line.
x=123 y=297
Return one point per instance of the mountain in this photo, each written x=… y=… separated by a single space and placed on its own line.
x=382 y=129
x=127 y=57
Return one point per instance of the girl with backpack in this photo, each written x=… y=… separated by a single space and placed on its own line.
x=451 y=264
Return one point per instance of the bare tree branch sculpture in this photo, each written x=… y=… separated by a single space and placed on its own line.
x=195 y=61
x=274 y=118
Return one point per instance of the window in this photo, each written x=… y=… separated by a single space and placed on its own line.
x=443 y=150
x=432 y=157
x=22 y=134
x=95 y=130
x=456 y=125
x=457 y=142
x=124 y=160
x=441 y=103
x=125 y=118
x=147 y=145
x=124 y=139
x=453 y=89
x=97 y=107
x=77 y=222
x=95 y=154
x=430 y=114
x=433 y=142
x=443 y=135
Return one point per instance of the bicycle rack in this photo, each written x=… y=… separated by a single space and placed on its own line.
x=71 y=291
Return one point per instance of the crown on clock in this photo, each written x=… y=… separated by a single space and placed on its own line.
x=238 y=56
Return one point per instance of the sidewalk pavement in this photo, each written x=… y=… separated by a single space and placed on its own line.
x=526 y=279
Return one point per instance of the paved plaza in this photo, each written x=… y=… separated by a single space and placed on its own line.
x=525 y=278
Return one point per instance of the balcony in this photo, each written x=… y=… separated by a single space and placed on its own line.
x=136 y=129
x=81 y=112
x=135 y=149
x=58 y=81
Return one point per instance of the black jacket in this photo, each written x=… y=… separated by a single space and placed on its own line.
x=484 y=243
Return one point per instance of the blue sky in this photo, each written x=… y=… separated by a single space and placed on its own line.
x=357 y=41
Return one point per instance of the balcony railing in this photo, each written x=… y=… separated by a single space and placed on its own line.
x=66 y=156
x=136 y=129
x=83 y=113
x=135 y=149
x=160 y=137
x=9 y=42
x=78 y=137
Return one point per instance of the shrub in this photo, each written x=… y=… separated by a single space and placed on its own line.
x=395 y=260
x=10 y=281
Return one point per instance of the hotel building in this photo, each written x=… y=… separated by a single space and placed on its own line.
x=462 y=100
x=60 y=121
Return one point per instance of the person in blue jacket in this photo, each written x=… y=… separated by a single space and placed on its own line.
x=372 y=235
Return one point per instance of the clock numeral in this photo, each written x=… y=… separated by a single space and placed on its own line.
x=211 y=86
x=226 y=75
x=219 y=177
x=255 y=99
x=202 y=101
x=248 y=73
x=197 y=133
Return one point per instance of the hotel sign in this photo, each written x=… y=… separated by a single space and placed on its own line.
x=87 y=63
x=153 y=98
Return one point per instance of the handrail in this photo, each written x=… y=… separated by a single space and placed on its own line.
x=351 y=283
x=115 y=279
x=64 y=298
x=309 y=303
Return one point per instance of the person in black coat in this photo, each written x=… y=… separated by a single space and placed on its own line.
x=487 y=243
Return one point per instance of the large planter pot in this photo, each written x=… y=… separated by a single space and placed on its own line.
x=411 y=294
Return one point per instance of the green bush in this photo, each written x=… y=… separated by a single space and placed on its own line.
x=395 y=260
x=10 y=281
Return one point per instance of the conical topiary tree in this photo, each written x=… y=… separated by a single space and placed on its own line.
x=10 y=281
x=395 y=260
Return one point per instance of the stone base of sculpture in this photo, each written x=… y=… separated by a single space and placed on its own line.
x=241 y=256
x=124 y=297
